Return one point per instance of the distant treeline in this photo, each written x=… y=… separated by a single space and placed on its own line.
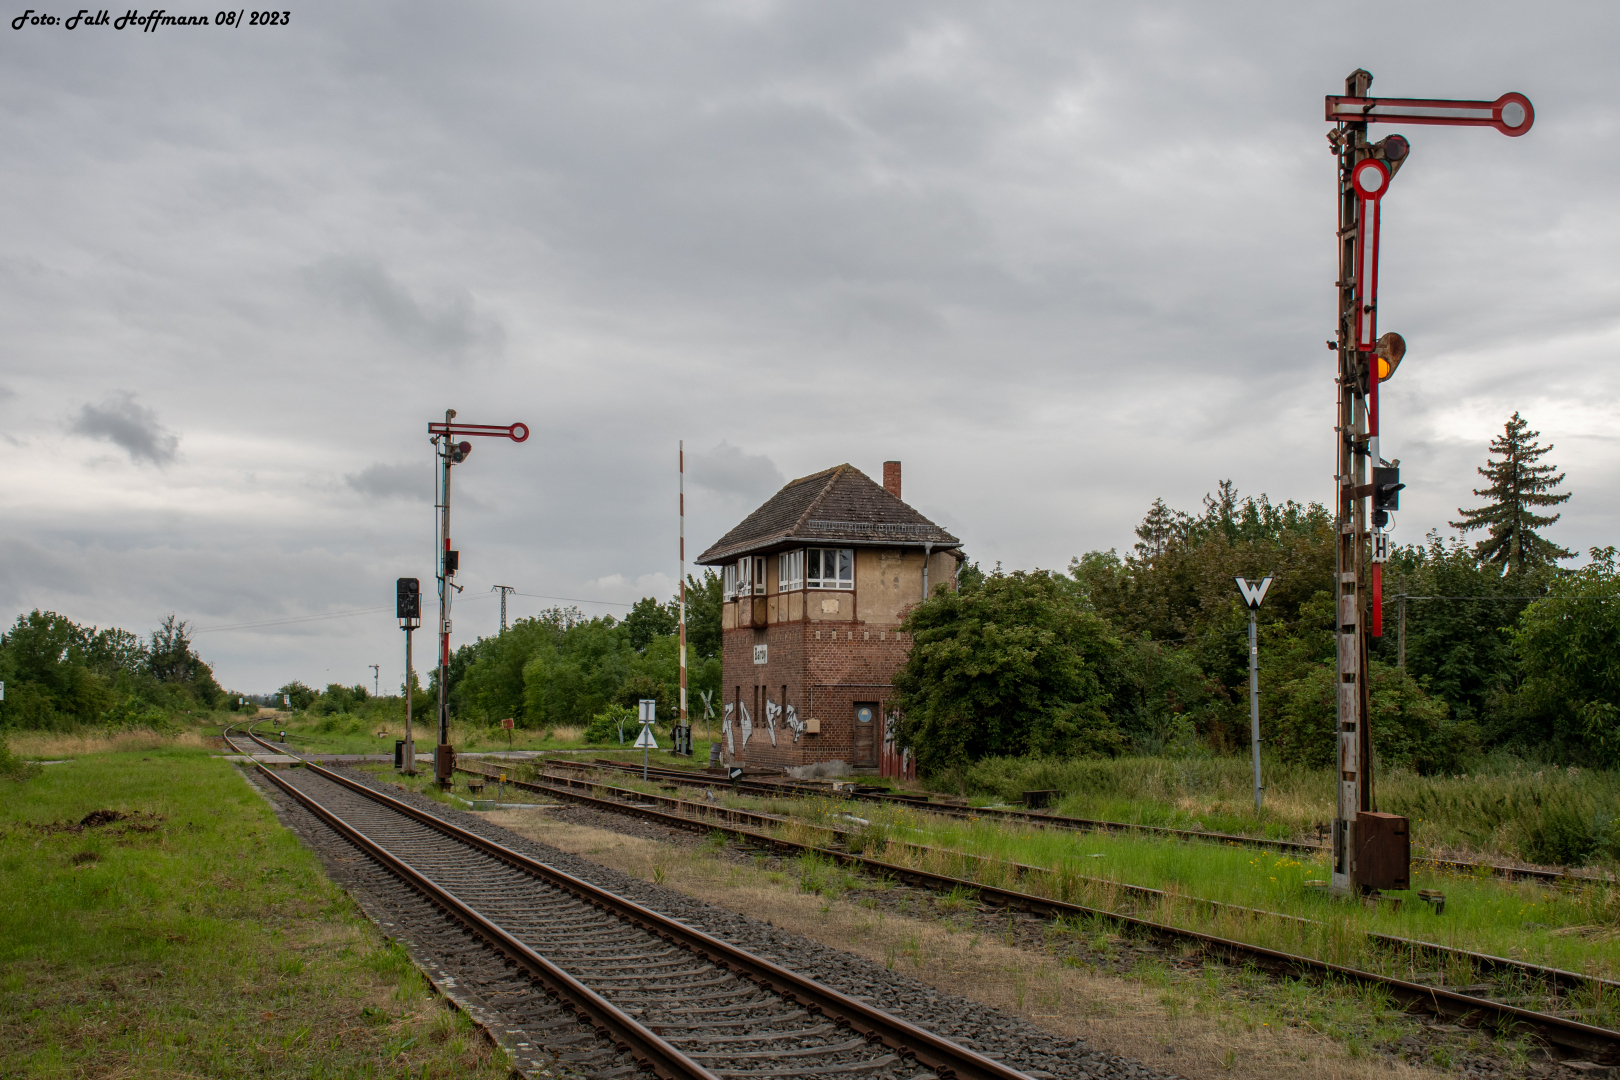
x=1148 y=653
x=60 y=676
x=560 y=668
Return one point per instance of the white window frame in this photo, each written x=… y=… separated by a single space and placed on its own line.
x=815 y=565
x=750 y=574
x=790 y=571
x=728 y=577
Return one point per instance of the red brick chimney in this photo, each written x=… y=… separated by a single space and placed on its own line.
x=891 y=477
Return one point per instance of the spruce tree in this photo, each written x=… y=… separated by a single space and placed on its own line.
x=1517 y=483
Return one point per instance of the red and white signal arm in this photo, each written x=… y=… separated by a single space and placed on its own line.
x=1370 y=180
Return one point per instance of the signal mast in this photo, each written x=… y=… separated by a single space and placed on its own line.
x=1371 y=851
x=449 y=453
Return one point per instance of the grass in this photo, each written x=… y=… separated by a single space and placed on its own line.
x=1505 y=809
x=1200 y=1021
x=1577 y=929
x=53 y=745
x=343 y=733
x=193 y=936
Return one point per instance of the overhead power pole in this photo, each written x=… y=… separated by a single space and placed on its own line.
x=1362 y=852
x=504 y=590
x=376 y=679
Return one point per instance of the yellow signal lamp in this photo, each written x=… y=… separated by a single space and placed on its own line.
x=1391 y=348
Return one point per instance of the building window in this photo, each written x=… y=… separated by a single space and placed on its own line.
x=831 y=568
x=790 y=571
x=728 y=587
x=748 y=573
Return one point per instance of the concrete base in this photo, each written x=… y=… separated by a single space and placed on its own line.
x=818 y=770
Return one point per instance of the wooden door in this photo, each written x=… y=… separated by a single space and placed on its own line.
x=866 y=735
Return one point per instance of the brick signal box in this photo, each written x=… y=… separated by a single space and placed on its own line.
x=816 y=584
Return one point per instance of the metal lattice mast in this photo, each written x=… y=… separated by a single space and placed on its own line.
x=504 y=590
x=1354 y=782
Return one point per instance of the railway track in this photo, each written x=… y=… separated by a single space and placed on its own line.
x=1563 y=1030
x=776 y=789
x=682 y=1003
x=705 y=815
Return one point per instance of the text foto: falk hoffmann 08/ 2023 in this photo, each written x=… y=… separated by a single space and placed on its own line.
x=133 y=19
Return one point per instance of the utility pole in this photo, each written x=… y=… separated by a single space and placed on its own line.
x=1364 y=360
x=504 y=590
x=1254 y=594
x=450 y=453
x=376 y=679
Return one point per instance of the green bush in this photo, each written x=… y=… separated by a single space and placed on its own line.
x=133 y=713
x=608 y=725
x=1410 y=729
x=13 y=767
x=1009 y=666
x=1562 y=837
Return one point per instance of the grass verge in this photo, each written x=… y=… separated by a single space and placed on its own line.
x=1577 y=928
x=183 y=932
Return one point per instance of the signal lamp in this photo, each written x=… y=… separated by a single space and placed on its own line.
x=1391 y=347
x=459 y=452
x=408 y=600
x=1393 y=150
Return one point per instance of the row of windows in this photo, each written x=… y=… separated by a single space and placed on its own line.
x=815 y=568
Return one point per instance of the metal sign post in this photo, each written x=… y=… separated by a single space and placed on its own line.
x=645 y=742
x=1365 y=359
x=1254 y=594
x=450 y=452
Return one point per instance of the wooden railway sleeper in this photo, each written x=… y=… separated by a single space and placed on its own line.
x=1554 y=1029
x=931 y=1050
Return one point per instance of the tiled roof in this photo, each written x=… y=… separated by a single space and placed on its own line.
x=841 y=505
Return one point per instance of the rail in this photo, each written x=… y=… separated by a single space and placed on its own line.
x=909 y=1040
x=1557 y=1030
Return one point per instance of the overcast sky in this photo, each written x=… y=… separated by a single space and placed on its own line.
x=1057 y=258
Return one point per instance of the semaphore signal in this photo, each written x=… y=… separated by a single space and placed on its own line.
x=1361 y=836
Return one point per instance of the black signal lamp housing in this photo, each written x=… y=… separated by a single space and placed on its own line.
x=1386 y=488
x=408 y=599
x=1393 y=150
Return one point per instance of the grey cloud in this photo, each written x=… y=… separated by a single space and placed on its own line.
x=731 y=471
x=6 y=392
x=451 y=325
x=132 y=427
x=392 y=481
x=1059 y=258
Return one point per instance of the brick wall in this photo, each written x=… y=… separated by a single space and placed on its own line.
x=824 y=670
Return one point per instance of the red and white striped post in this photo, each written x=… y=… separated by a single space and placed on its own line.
x=684 y=722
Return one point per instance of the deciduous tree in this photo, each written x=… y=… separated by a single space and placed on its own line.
x=1010 y=666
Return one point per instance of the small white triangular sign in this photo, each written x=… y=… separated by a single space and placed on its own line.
x=645 y=741
x=1254 y=592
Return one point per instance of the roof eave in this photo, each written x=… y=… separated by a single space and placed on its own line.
x=720 y=558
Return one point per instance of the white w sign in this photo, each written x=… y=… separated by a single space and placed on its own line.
x=1254 y=592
